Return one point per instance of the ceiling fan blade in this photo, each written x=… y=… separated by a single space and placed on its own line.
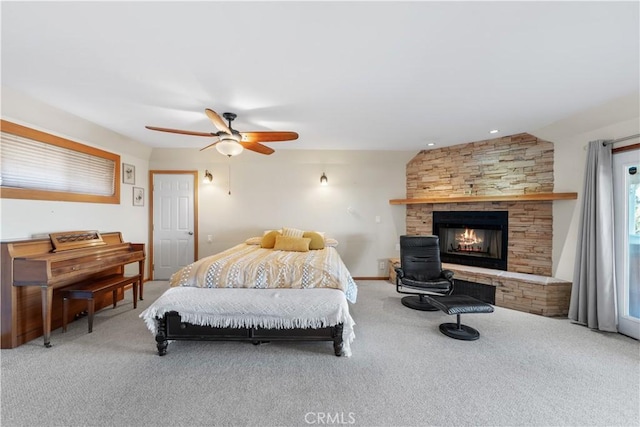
x=258 y=148
x=217 y=121
x=210 y=145
x=183 y=132
x=268 y=136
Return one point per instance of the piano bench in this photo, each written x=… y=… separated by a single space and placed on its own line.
x=89 y=290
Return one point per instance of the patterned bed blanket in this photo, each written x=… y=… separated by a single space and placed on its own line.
x=250 y=266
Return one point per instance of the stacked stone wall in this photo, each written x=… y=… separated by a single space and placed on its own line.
x=518 y=164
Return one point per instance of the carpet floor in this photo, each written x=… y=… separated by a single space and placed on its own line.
x=525 y=370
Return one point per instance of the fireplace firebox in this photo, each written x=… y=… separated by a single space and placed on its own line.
x=476 y=238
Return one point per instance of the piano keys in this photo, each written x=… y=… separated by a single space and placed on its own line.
x=33 y=269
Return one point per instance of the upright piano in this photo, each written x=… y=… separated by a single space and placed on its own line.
x=34 y=269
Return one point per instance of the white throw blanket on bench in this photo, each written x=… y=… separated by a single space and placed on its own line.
x=258 y=308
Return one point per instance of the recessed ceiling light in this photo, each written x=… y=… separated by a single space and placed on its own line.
x=494 y=131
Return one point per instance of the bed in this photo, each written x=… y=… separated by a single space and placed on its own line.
x=257 y=293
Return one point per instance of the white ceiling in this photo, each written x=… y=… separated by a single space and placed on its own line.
x=344 y=75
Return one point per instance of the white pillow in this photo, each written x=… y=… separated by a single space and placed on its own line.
x=292 y=232
x=269 y=231
x=253 y=240
x=330 y=242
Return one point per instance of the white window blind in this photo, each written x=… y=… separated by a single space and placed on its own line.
x=30 y=164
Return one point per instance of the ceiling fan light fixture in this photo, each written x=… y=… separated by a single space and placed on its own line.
x=229 y=147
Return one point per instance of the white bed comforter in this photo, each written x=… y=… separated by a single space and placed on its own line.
x=265 y=308
x=250 y=266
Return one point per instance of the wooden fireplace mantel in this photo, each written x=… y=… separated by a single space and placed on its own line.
x=491 y=198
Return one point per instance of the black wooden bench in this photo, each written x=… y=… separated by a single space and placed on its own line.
x=90 y=290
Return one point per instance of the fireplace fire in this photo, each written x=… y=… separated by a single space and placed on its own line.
x=468 y=241
x=477 y=238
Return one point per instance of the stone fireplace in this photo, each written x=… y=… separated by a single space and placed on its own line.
x=493 y=178
x=515 y=165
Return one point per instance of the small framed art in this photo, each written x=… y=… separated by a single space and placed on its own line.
x=128 y=174
x=138 y=196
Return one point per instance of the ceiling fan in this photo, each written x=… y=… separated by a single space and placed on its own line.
x=231 y=142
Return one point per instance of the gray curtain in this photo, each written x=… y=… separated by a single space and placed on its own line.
x=593 y=294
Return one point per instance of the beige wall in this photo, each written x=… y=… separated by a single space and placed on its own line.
x=267 y=191
x=284 y=189
x=26 y=218
x=615 y=119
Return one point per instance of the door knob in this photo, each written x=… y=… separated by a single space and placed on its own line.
x=190 y=233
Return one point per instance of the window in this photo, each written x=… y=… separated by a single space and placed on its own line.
x=40 y=166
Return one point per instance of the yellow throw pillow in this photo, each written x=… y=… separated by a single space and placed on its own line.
x=295 y=244
x=317 y=241
x=269 y=239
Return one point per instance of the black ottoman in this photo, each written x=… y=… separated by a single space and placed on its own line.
x=459 y=304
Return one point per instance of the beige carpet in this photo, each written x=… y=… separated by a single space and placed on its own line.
x=524 y=370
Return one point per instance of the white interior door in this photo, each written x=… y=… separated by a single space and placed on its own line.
x=626 y=185
x=174 y=237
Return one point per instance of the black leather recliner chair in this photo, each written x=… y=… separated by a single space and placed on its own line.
x=421 y=272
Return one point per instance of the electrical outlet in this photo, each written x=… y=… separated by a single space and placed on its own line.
x=397 y=246
x=381 y=265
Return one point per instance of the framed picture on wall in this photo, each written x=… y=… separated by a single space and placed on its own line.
x=128 y=174
x=138 y=196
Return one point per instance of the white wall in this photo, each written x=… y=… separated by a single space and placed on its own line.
x=283 y=189
x=26 y=218
x=267 y=192
x=615 y=119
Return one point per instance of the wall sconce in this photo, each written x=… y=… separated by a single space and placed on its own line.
x=323 y=179
x=208 y=178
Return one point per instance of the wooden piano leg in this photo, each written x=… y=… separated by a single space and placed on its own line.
x=47 y=302
x=141 y=272
x=92 y=310
x=65 y=313
x=134 y=287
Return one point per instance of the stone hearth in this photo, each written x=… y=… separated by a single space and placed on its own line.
x=529 y=293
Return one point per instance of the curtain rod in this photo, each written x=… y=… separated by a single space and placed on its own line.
x=613 y=141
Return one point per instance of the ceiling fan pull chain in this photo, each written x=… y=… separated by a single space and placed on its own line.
x=229 y=169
